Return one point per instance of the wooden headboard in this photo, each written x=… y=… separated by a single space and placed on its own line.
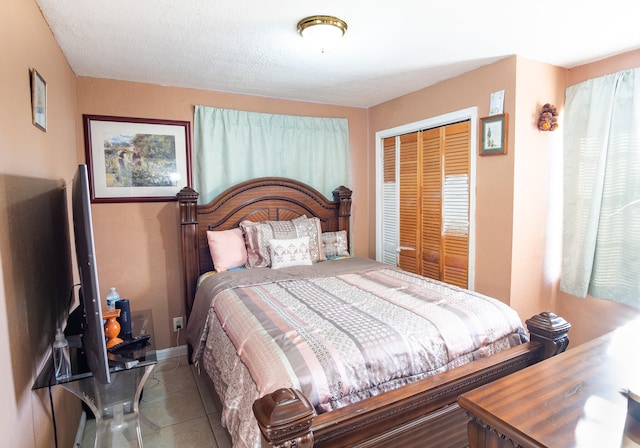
x=267 y=198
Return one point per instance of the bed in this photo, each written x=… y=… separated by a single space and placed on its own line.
x=258 y=335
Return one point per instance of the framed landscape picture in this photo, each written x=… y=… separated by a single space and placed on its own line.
x=494 y=135
x=136 y=159
x=38 y=100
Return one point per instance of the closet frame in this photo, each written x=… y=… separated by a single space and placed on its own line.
x=456 y=268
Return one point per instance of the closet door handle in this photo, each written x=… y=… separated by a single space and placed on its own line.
x=404 y=248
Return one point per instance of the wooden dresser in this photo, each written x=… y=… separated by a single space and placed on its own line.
x=570 y=400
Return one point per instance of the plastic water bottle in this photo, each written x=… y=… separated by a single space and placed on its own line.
x=61 y=358
x=112 y=298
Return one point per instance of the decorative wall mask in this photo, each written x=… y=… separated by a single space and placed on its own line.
x=548 y=120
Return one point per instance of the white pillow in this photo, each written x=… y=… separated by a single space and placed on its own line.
x=293 y=252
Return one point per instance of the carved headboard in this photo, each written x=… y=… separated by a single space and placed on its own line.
x=267 y=198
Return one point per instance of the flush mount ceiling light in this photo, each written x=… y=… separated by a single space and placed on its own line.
x=322 y=31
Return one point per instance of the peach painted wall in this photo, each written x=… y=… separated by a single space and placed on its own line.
x=494 y=182
x=137 y=244
x=537 y=191
x=592 y=317
x=34 y=164
x=624 y=61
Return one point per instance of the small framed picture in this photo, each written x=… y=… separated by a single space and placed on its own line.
x=496 y=106
x=494 y=135
x=38 y=100
x=136 y=159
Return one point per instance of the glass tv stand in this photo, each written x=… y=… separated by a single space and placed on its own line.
x=114 y=405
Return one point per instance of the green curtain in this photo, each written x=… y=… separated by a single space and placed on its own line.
x=601 y=229
x=231 y=146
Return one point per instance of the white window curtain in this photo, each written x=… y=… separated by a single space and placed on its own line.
x=232 y=146
x=601 y=234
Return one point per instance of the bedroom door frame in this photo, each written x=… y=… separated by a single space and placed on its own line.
x=470 y=114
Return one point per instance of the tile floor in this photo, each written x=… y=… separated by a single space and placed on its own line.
x=177 y=410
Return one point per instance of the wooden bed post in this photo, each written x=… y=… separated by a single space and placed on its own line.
x=342 y=195
x=551 y=331
x=285 y=418
x=187 y=199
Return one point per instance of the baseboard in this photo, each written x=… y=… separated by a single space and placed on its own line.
x=171 y=352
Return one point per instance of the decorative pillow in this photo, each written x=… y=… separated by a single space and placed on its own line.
x=227 y=248
x=258 y=234
x=335 y=244
x=285 y=253
x=311 y=227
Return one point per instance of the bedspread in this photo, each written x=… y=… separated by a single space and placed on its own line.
x=339 y=331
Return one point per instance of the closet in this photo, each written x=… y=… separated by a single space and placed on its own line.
x=425 y=198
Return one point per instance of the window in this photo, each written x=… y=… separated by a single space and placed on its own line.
x=231 y=146
x=601 y=230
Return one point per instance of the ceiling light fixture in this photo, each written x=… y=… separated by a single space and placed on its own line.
x=322 y=31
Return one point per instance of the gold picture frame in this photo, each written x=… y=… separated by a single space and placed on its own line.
x=494 y=135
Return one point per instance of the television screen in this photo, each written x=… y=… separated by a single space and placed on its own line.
x=93 y=335
x=37 y=262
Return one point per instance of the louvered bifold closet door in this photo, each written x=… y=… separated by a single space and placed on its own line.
x=389 y=202
x=455 y=207
x=431 y=202
x=409 y=204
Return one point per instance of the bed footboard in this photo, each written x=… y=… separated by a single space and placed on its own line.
x=421 y=414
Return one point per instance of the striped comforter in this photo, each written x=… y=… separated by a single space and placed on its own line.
x=339 y=331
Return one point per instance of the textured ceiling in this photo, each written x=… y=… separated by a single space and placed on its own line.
x=391 y=48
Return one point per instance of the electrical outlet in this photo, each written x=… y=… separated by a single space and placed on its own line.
x=178 y=323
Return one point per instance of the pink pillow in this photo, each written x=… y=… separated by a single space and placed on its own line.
x=227 y=249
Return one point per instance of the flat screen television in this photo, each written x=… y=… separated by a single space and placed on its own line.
x=93 y=338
